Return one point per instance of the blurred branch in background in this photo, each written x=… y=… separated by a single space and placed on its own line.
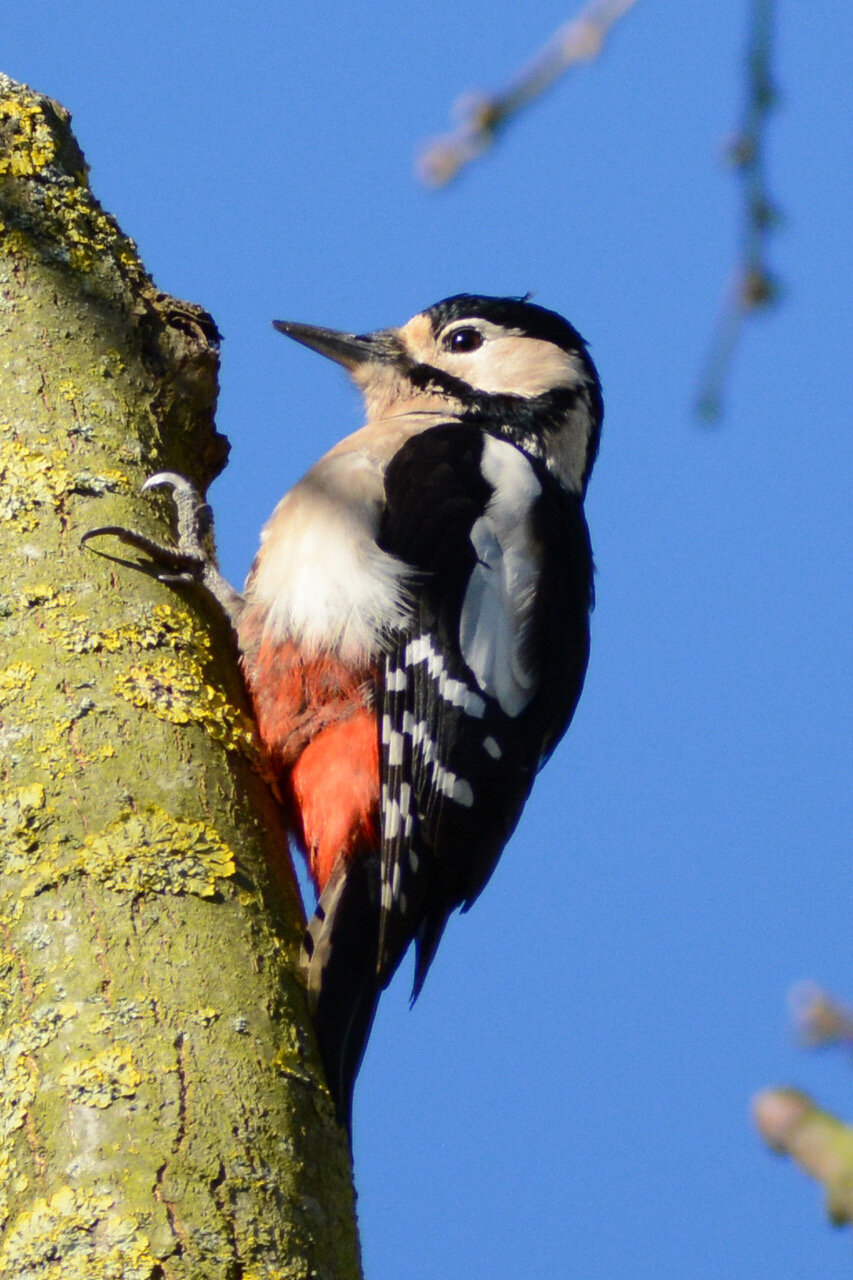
x=821 y=1020
x=481 y=116
x=792 y=1124
x=753 y=286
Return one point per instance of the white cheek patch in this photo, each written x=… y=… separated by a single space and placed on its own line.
x=508 y=363
x=498 y=604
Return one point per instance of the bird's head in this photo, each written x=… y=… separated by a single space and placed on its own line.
x=521 y=371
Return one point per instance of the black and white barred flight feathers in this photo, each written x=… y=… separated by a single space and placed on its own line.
x=429 y=582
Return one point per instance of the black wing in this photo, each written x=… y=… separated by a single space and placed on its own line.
x=481 y=684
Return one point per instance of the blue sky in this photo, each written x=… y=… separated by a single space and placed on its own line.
x=570 y=1095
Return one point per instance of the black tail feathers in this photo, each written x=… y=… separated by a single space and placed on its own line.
x=339 y=960
x=427 y=939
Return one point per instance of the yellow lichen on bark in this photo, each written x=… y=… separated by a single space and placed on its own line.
x=30 y=144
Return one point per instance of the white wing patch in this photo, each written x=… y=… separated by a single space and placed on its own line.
x=498 y=602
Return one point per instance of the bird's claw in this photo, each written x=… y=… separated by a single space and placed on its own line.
x=195 y=518
x=188 y=562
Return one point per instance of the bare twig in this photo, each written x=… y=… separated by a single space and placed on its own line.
x=481 y=116
x=821 y=1019
x=821 y=1144
x=754 y=287
x=792 y=1124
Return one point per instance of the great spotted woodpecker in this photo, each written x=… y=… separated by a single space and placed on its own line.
x=415 y=632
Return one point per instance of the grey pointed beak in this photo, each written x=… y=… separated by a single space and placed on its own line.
x=348 y=349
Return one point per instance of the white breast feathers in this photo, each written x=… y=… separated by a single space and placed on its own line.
x=321 y=575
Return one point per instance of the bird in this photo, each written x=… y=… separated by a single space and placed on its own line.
x=414 y=633
x=414 y=630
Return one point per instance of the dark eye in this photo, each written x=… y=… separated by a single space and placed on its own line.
x=464 y=340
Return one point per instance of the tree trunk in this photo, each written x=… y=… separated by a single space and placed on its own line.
x=162 y=1110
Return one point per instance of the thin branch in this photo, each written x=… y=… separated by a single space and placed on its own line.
x=754 y=286
x=792 y=1124
x=822 y=1145
x=821 y=1019
x=482 y=116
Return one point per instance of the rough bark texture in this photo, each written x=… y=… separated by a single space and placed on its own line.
x=162 y=1113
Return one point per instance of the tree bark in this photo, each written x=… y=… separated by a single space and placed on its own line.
x=162 y=1109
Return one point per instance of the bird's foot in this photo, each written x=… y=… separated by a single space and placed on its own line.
x=189 y=560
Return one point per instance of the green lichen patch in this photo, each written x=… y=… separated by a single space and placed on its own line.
x=94 y=484
x=29 y=144
x=82 y=406
x=18 y=1084
x=181 y=695
x=36 y=478
x=296 y=1272
x=164 y=626
x=173 y=682
x=22 y=818
x=152 y=852
x=138 y=853
x=204 y=1017
x=18 y=1071
x=45 y=596
x=120 y=1015
x=86 y=230
x=149 y=627
x=10 y=979
x=13 y=1182
x=103 y=1079
x=74 y=634
x=15 y=679
x=54 y=749
x=289 y=1061
x=109 y=364
x=75 y=1236
x=29 y=480
x=35 y=142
